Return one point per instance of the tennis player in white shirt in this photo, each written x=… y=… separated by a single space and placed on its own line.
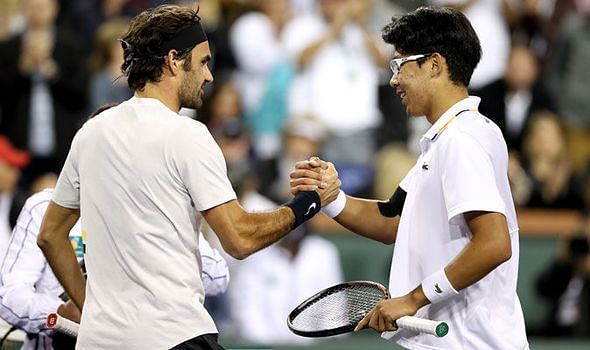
x=29 y=291
x=452 y=218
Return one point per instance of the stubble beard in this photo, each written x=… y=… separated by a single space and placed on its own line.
x=190 y=95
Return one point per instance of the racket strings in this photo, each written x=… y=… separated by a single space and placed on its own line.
x=342 y=307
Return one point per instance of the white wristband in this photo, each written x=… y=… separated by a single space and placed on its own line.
x=437 y=287
x=335 y=208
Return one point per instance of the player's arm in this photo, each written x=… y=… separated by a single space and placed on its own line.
x=489 y=247
x=377 y=220
x=53 y=241
x=242 y=233
x=363 y=217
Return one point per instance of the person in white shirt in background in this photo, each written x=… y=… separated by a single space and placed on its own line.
x=488 y=21
x=338 y=60
x=29 y=291
x=452 y=218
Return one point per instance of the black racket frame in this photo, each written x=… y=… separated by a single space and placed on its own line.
x=320 y=295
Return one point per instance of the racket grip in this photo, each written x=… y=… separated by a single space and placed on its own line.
x=437 y=328
x=62 y=324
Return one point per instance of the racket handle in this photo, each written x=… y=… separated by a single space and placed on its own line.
x=62 y=324
x=437 y=328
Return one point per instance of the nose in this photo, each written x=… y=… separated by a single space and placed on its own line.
x=208 y=75
x=394 y=82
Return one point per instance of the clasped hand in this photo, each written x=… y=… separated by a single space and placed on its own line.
x=315 y=174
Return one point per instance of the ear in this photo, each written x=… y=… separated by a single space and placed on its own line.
x=437 y=64
x=171 y=62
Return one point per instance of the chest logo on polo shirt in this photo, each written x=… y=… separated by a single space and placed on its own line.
x=425 y=166
x=437 y=289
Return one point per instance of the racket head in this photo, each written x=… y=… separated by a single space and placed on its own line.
x=352 y=300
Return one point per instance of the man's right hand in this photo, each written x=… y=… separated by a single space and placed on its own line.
x=316 y=175
x=70 y=311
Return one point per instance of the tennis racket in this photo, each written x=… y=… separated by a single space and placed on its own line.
x=338 y=309
x=62 y=324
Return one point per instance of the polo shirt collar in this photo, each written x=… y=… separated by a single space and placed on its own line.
x=468 y=103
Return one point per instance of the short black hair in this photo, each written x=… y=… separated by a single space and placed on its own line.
x=437 y=29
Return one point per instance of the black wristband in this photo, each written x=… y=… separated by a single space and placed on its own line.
x=304 y=205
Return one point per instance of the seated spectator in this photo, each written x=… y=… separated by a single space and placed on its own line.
x=568 y=78
x=566 y=284
x=223 y=105
x=543 y=176
x=510 y=100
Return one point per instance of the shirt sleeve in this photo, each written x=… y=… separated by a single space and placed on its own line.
x=468 y=177
x=215 y=273
x=202 y=167
x=67 y=190
x=21 y=304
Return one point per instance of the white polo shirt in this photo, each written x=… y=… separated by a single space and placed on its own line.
x=139 y=173
x=463 y=167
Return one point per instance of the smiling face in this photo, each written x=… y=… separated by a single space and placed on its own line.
x=194 y=78
x=411 y=85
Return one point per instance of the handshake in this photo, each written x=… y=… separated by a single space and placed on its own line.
x=317 y=175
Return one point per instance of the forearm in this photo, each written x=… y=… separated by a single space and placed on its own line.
x=489 y=247
x=63 y=262
x=242 y=233
x=362 y=216
x=474 y=262
x=259 y=230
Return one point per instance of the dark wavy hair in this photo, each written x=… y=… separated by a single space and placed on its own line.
x=147 y=32
x=443 y=30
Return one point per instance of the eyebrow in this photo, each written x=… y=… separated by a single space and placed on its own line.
x=205 y=59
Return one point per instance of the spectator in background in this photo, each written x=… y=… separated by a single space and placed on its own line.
x=338 y=60
x=223 y=105
x=268 y=285
x=91 y=14
x=107 y=84
x=42 y=87
x=302 y=138
x=566 y=284
x=11 y=162
x=543 y=176
x=487 y=18
x=568 y=78
x=510 y=100
x=216 y=21
x=255 y=40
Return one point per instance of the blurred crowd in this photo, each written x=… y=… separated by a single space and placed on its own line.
x=296 y=78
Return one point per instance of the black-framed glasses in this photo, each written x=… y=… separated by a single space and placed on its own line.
x=396 y=64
